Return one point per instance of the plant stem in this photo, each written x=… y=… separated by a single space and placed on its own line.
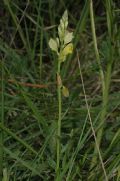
x=95 y=44
x=102 y=118
x=2 y=121
x=105 y=87
x=59 y=125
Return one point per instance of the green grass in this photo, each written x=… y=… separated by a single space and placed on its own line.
x=90 y=129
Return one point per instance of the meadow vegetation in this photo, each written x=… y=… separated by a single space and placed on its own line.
x=60 y=109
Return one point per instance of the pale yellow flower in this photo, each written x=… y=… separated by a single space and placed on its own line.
x=67 y=50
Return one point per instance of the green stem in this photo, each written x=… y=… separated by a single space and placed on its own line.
x=105 y=87
x=41 y=48
x=103 y=115
x=2 y=121
x=95 y=44
x=105 y=102
x=59 y=126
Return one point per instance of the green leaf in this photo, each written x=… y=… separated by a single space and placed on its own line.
x=65 y=91
x=21 y=161
x=53 y=44
x=68 y=37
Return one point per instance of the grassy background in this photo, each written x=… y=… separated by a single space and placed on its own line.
x=29 y=112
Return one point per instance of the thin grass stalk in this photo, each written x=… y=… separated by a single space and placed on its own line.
x=16 y=22
x=105 y=86
x=94 y=159
x=41 y=48
x=108 y=73
x=2 y=121
x=91 y=124
x=95 y=44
